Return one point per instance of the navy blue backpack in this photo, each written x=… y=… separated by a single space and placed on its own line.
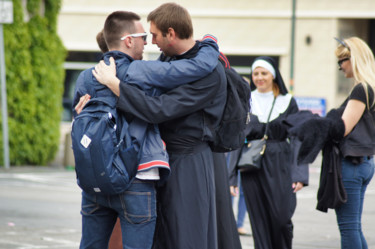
x=106 y=159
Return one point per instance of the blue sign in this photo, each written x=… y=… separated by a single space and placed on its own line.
x=313 y=104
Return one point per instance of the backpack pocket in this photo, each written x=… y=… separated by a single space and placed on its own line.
x=97 y=148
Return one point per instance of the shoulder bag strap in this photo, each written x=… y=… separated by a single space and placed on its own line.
x=268 y=119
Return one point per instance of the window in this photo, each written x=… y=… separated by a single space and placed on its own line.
x=75 y=63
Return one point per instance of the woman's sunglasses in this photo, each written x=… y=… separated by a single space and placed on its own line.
x=342 y=61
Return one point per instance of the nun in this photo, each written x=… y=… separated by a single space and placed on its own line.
x=270 y=193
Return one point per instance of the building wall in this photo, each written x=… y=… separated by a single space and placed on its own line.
x=245 y=27
x=315 y=63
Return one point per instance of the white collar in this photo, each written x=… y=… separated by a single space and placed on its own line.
x=261 y=104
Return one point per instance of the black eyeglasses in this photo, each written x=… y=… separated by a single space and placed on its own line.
x=342 y=61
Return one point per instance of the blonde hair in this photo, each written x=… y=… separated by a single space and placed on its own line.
x=362 y=60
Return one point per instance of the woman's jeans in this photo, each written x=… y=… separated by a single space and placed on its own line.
x=136 y=209
x=355 y=179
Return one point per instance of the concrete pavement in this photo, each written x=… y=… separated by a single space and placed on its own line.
x=39 y=208
x=314 y=229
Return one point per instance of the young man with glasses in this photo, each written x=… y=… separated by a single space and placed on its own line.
x=186 y=116
x=136 y=208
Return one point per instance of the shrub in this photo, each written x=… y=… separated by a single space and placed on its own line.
x=34 y=57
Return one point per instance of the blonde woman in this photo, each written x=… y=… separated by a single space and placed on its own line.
x=356 y=61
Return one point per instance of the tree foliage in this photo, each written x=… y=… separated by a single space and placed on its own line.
x=34 y=57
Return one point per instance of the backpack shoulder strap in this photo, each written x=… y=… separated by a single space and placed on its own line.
x=224 y=60
x=88 y=79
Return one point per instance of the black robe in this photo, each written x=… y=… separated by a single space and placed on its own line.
x=186 y=203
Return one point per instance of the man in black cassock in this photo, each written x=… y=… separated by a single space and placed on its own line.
x=186 y=116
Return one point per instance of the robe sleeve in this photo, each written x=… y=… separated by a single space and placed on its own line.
x=168 y=75
x=175 y=103
x=300 y=172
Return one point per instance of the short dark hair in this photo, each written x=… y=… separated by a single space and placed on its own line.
x=172 y=15
x=116 y=24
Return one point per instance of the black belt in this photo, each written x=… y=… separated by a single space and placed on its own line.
x=186 y=148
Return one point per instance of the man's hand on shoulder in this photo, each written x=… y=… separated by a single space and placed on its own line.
x=106 y=75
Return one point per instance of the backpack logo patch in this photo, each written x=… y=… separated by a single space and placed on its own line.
x=85 y=141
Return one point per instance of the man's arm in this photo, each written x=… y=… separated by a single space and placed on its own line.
x=175 y=103
x=352 y=114
x=168 y=75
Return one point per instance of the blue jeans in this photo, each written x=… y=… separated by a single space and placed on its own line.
x=355 y=179
x=136 y=209
x=241 y=205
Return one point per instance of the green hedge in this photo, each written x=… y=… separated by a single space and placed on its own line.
x=34 y=57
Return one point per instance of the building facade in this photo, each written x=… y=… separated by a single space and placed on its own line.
x=245 y=29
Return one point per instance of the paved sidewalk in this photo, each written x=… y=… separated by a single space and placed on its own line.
x=314 y=229
x=39 y=209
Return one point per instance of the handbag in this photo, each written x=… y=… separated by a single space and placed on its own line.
x=252 y=152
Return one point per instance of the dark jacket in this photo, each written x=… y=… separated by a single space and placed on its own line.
x=317 y=133
x=331 y=192
x=186 y=114
x=156 y=77
x=148 y=138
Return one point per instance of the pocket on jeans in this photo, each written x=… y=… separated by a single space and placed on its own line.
x=137 y=206
x=89 y=205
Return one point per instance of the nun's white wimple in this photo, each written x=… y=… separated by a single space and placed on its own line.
x=264 y=64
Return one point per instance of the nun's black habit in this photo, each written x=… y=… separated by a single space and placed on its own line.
x=268 y=193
